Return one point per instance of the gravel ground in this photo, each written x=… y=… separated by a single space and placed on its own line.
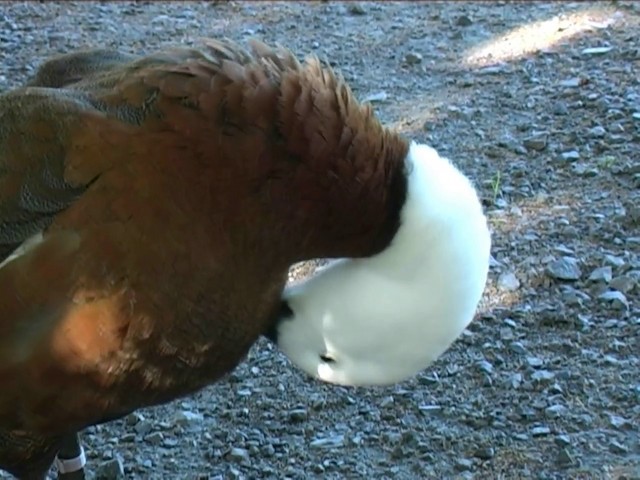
x=540 y=104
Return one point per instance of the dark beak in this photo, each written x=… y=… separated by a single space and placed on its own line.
x=284 y=313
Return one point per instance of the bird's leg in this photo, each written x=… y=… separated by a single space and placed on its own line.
x=70 y=460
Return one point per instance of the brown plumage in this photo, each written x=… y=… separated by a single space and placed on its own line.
x=174 y=191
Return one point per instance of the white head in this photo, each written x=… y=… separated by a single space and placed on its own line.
x=382 y=319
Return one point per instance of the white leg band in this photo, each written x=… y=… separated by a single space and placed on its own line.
x=69 y=465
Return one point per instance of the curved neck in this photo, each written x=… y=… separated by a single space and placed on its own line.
x=344 y=194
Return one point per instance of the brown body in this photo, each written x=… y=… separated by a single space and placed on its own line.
x=174 y=191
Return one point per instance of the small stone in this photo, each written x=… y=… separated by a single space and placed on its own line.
x=614 y=261
x=375 y=97
x=612 y=323
x=611 y=360
x=537 y=143
x=617 y=299
x=540 y=431
x=328 y=442
x=597 y=132
x=409 y=438
x=387 y=401
x=170 y=443
x=585 y=170
x=555 y=411
x=186 y=417
x=572 y=82
x=134 y=418
x=508 y=282
x=619 y=423
x=572 y=296
x=564 y=457
x=110 y=470
x=143 y=427
x=518 y=347
x=560 y=108
x=268 y=450
x=485 y=366
x=357 y=9
x=555 y=389
x=510 y=323
x=602 y=274
x=617 y=447
x=463 y=464
x=623 y=283
x=562 y=440
x=413 y=58
x=239 y=455
x=298 y=415
x=154 y=438
x=570 y=156
x=543 y=376
x=515 y=380
x=506 y=333
x=565 y=268
x=484 y=453
x=596 y=50
x=534 y=362
x=464 y=21
x=636 y=116
x=430 y=409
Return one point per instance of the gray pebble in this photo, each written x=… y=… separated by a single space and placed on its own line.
x=614 y=261
x=623 y=283
x=617 y=299
x=570 y=156
x=543 y=376
x=357 y=9
x=508 y=282
x=601 y=274
x=597 y=132
x=298 y=415
x=618 y=448
x=564 y=457
x=619 y=423
x=143 y=427
x=154 y=438
x=239 y=455
x=555 y=411
x=463 y=464
x=328 y=442
x=413 y=58
x=134 y=418
x=540 y=431
x=484 y=453
x=560 y=108
x=594 y=51
x=535 y=362
x=110 y=470
x=537 y=143
x=565 y=268
x=518 y=347
x=485 y=366
x=186 y=417
x=464 y=21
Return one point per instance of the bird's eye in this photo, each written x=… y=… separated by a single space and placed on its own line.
x=326 y=358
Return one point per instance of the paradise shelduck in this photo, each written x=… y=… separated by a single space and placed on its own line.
x=150 y=208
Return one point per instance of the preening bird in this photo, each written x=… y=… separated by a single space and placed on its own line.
x=150 y=208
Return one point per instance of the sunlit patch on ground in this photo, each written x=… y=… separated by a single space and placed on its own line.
x=539 y=36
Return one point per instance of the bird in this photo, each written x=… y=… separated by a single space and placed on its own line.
x=151 y=207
